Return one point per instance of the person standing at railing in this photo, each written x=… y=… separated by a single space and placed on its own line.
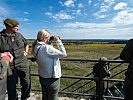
x=127 y=55
x=100 y=71
x=47 y=58
x=12 y=41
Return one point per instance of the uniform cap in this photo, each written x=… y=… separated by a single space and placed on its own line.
x=11 y=22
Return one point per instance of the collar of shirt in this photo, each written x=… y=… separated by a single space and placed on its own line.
x=6 y=34
x=40 y=43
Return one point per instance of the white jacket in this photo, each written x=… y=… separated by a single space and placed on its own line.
x=48 y=59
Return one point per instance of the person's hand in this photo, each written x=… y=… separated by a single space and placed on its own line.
x=7 y=57
x=56 y=38
x=3 y=54
x=25 y=53
x=10 y=55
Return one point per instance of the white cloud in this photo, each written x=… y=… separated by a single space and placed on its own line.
x=78 y=12
x=95 y=30
x=60 y=2
x=103 y=9
x=89 y=1
x=120 y=6
x=120 y=27
x=48 y=13
x=109 y=2
x=62 y=15
x=1 y=21
x=78 y=25
x=50 y=8
x=24 y=19
x=3 y=11
x=106 y=5
x=69 y=3
x=99 y=15
x=80 y=5
x=95 y=33
x=26 y=13
x=124 y=18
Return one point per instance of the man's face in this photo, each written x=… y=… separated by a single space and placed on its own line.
x=15 y=29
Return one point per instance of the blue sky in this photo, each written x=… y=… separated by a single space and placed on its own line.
x=71 y=19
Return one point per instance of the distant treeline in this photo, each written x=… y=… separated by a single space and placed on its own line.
x=80 y=41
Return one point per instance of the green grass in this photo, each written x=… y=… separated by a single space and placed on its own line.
x=93 y=51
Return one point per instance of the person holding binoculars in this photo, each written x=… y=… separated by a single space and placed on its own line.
x=47 y=58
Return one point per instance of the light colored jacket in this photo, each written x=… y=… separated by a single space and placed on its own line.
x=48 y=59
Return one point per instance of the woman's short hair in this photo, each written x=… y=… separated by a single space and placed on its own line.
x=42 y=33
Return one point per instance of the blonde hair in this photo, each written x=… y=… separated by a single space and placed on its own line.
x=40 y=36
x=42 y=33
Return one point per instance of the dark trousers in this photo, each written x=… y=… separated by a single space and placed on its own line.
x=21 y=72
x=50 y=88
x=3 y=87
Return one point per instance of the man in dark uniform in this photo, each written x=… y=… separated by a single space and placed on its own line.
x=127 y=55
x=5 y=58
x=12 y=41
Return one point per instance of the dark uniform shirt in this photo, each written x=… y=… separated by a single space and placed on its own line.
x=15 y=44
